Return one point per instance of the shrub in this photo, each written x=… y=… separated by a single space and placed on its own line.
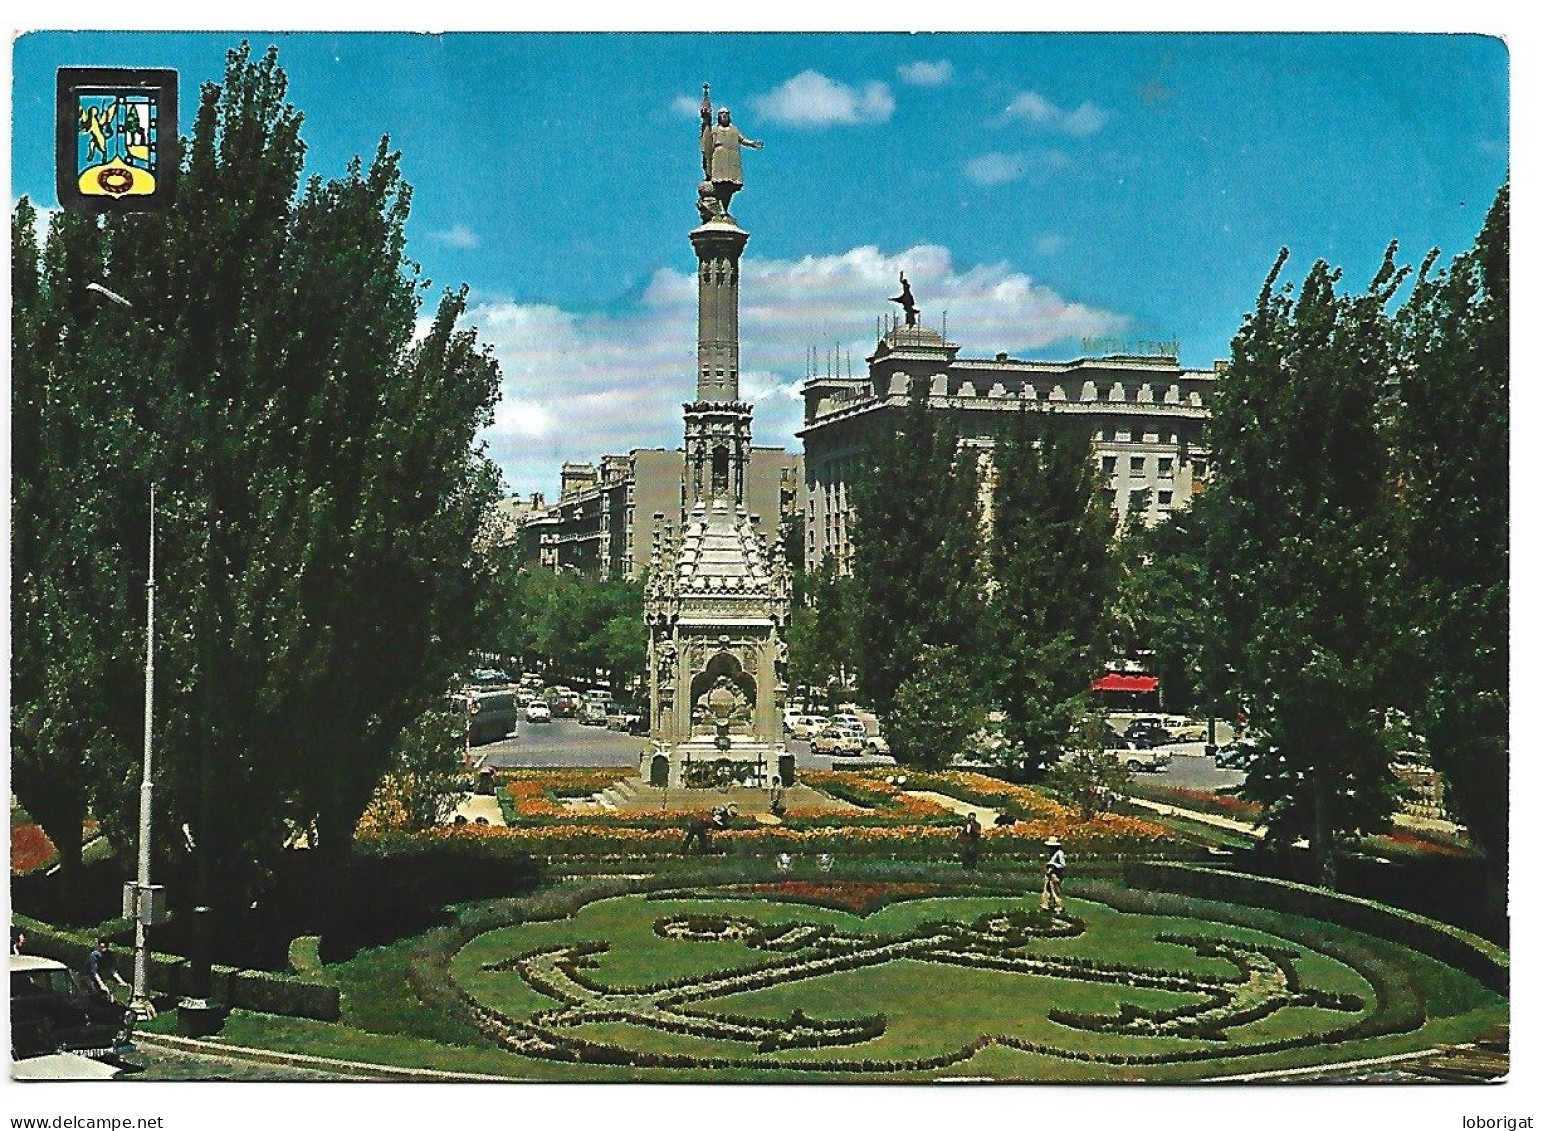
x=1477 y=957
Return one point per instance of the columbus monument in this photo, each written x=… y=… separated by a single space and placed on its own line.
x=718 y=586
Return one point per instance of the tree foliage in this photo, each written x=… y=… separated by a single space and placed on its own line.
x=1162 y=603
x=1087 y=775
x=916 y=558
x=1452 y=445
x=426 y=780
x=822 y=646
x=1301 y=563
x=322 y=497
x=1053 y=573
x=937 y=708
x=571 y=625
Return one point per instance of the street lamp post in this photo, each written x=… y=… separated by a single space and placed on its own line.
x=144 y=901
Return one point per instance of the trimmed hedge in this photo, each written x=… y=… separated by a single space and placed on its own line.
x=1475 y=956
x=170 y=975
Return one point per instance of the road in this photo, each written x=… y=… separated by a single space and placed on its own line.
x=1190 y=768
x=565 y=742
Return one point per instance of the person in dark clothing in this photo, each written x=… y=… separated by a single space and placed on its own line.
x=699 y=832
x=969 y=842
x=100 y=966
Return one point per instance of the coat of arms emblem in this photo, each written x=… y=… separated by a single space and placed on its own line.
x=116 y=139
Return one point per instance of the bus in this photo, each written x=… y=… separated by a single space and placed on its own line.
x=491 y=715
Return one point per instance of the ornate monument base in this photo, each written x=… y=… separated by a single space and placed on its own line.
x=703 y=763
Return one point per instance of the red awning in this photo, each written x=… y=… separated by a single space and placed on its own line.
x=1114 y=682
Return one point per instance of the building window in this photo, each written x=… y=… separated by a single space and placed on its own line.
x=1138 y=465
x=1165 y=498
x=1109 y=465
x=1165 y=467
x=1197 y=469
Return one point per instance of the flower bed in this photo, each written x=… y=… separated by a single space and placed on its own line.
x=30 y=849
x=892 y=824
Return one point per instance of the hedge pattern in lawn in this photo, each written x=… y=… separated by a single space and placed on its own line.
x=1264 y=981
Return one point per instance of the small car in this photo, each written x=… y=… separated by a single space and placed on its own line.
x=836 y=740
x=1146 y=761
x=1144 y=734
x=538 y=712
x=807 y=726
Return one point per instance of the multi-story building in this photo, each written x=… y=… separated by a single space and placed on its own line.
x=1145 y=415
x=602 y=523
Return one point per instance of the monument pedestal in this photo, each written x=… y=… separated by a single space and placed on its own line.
x=701 y=762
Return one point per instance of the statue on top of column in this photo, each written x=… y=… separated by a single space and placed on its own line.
x=722 y=173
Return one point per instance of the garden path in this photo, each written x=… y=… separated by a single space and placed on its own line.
x=984 y=815
x=475 y=805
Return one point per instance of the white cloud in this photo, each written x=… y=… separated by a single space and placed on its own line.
x=1084 y=120
x=684 y=106
x=1030 y=106
x=457 y=235
x=578 y=386
x=1051 y=243
x=926 y=74
x=810 y=99
x=1000 y=168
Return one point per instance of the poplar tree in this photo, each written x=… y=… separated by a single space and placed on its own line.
x=1301 y=563
x=1053 y=573
x=1452 y=457
x=916 y=550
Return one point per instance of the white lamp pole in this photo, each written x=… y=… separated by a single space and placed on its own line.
x=142 y=904
x=141 y=1003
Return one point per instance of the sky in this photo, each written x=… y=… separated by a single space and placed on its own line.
x=1036 y=189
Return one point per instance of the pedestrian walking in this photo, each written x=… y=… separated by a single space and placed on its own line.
x=776 y=807
x=18 y=939
x=1055 y=869
x=969 y=842
x=101 y=965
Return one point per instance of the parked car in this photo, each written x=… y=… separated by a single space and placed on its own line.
x=807 y=726
x=851 y=722
x=51 y=1013
x=1144 y=734
x=1114 y=740
x=836 y=740
x=489 y=677
x=593 y=713
x=538 y=712
x=875 y=744
x=1146 y=761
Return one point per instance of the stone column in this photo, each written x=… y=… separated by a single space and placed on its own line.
x=718 y=245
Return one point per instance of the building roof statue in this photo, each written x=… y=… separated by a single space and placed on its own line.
x=907 y=301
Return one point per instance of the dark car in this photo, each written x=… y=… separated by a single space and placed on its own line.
x=1145 y=734
x=50 y=1013
x=1114 y=740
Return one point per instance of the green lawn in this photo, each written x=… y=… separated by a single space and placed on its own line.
x=931 y=1008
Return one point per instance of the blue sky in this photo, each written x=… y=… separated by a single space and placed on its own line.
x=1039 y=188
